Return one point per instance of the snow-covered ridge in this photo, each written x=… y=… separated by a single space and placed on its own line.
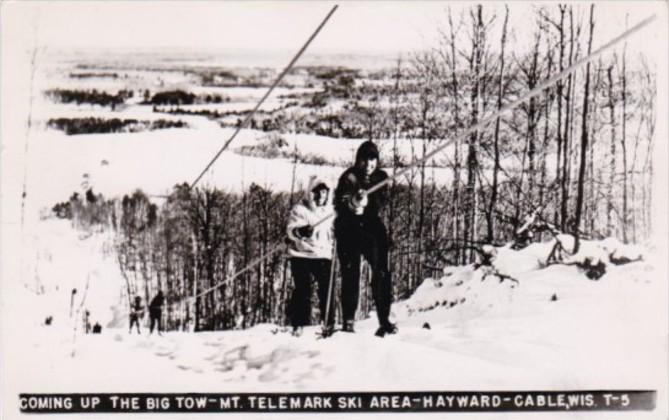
x=483 y=287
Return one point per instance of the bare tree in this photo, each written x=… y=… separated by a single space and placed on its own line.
x=496 y=151
x=623 y=141
x=584 y=138
x=476 y=102
x=612 y=154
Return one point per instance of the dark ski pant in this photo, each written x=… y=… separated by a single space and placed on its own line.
x=304 y=270
x=156 y=315
x=354 y=240
x=134 y=320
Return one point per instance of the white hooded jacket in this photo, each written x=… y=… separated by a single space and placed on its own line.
x=306 y=212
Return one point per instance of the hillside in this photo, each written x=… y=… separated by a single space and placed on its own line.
x=556 y=329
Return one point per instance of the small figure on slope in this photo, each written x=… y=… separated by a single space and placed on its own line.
x=136 y=313
x=310 y=251
x=87 y=322
x=156 y=312
x=360 y=231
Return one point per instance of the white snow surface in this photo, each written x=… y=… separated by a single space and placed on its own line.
x=555 y=330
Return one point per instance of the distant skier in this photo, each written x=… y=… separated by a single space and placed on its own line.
x=136 y=313
x=360 y=231
x=74 y=292
x=310 y=253
x=156 y=312
x=87 y=322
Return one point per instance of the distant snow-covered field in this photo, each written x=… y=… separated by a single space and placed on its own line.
x=154 y=161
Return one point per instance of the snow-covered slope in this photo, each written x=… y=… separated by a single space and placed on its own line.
x=59 y=259
x=555 y=329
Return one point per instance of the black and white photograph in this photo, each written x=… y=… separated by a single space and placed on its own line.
x=355 y=208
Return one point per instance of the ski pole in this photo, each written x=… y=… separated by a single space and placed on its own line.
x=326 y=320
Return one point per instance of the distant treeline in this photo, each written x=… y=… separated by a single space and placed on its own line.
x=95 y=97
x=93 y=75
x=260 y=78
x=180 y=97
x=274 y=146
x=359 y=117
x=93 y=125
x=92 y=96
x=221 y=114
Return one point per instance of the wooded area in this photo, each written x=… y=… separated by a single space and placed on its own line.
x=579 y=155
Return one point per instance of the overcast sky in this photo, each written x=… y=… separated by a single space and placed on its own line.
x=386 y=27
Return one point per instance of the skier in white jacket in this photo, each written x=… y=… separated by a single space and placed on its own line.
x=310 y=252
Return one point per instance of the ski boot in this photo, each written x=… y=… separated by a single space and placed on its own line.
x=327 y=331
x=348 y=326
x=387 y=328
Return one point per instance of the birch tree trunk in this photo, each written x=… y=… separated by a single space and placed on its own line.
x=584 y=139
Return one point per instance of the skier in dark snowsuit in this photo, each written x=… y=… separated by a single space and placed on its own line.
x=360 y=231
x=136 y=312
x=156 y=311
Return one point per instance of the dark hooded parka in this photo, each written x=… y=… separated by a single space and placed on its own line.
x=360 y=231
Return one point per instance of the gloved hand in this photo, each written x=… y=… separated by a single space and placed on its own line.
x=304 y=231
x=358 y=202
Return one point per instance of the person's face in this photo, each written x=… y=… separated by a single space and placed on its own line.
x=369 y=165
x=320 y=196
